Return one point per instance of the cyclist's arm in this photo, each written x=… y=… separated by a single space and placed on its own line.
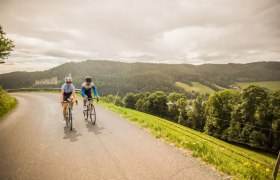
x=74 y=94
x=95 y=92
x=83 y=92
x=62 y=93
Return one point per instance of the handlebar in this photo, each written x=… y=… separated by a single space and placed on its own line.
x=86 y=98
x=68 y=100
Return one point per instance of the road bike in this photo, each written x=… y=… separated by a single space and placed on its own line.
x=69 y=114
x=90 y=112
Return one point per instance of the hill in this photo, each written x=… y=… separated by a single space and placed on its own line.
x=195 y=87
x=120 y=77
x=272 y=85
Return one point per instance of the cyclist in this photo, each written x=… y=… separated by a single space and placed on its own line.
x=67 y=91
x=87 y=88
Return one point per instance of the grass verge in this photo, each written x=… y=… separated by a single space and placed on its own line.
x=233 y=160
x=7 y=102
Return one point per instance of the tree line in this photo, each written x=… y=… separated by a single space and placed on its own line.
x=250 y=117
x=118 y=77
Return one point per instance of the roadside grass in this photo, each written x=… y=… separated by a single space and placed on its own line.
x=198 y=87
x=233 y=160
x=272 y=85
x=236 y=161
x=7 y=102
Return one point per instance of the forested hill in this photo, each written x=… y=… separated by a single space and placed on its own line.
x=120 y=77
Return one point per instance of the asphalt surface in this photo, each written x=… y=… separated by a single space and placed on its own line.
x=34 y=144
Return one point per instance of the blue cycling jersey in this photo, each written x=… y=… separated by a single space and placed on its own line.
x=87 y=89
x=68 y=89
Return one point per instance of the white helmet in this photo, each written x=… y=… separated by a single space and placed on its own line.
x=68 y=79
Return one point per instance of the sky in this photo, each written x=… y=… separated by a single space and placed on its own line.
x=47 y=33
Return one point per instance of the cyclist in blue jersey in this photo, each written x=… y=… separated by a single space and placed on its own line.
x=67 y=91
x=87 y=88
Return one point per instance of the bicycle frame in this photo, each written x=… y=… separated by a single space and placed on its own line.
x=69 y=117
x=90 y=110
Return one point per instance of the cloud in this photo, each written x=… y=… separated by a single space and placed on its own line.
x=179 y=31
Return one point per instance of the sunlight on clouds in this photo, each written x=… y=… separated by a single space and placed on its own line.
x=160 y=31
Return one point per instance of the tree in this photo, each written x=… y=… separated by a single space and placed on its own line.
x=158 y=103
x=254 y=114
x=174 y=97
x=6 y=45
x=255 y=100
x=182 y=104
x=173 y=105
x=275 y=106
x=142 y=105
x=196 y=115
x=130 y=100
x=118 y=101
x=109 y=98
x=218 y=112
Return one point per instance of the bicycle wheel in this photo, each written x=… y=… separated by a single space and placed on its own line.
x=92 y=114
x=85 y=114
x=70 y=119
x=67 y=115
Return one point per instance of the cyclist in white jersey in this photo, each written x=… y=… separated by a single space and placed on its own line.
x=87 y=88
x=67 y=91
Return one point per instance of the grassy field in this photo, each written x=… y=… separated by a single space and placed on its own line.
x=7 y=102
x=196 y=86
x=239 y=162
x=272 y=85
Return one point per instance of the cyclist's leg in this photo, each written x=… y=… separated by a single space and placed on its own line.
x=64 y=110
x=84 y=101
x=64 y=105
x=89 y=96
x=72 y=100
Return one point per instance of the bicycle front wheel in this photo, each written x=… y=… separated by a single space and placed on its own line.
x=86 y=114
x=70 y=118
x=92 y=114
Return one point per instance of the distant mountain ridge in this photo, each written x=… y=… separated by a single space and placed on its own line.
x=119 y=77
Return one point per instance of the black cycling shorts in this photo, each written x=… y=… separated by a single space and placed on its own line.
x=66 y=96
x=89 y=96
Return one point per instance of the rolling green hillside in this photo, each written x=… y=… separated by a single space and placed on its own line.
x=195 y=86
x=119 y=77
x=272 y=85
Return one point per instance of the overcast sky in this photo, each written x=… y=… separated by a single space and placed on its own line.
x=50 y=32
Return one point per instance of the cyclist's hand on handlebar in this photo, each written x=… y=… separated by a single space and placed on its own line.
x=74 y=100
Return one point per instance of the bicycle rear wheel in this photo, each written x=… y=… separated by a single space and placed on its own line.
x=92 y=114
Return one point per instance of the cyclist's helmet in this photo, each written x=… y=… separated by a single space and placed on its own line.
x=88 y=78
x=68 y=79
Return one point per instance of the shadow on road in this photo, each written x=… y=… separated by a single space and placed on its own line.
x=94 y=128
x=71 y=135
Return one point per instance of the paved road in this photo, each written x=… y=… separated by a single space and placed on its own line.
x=34 y=144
